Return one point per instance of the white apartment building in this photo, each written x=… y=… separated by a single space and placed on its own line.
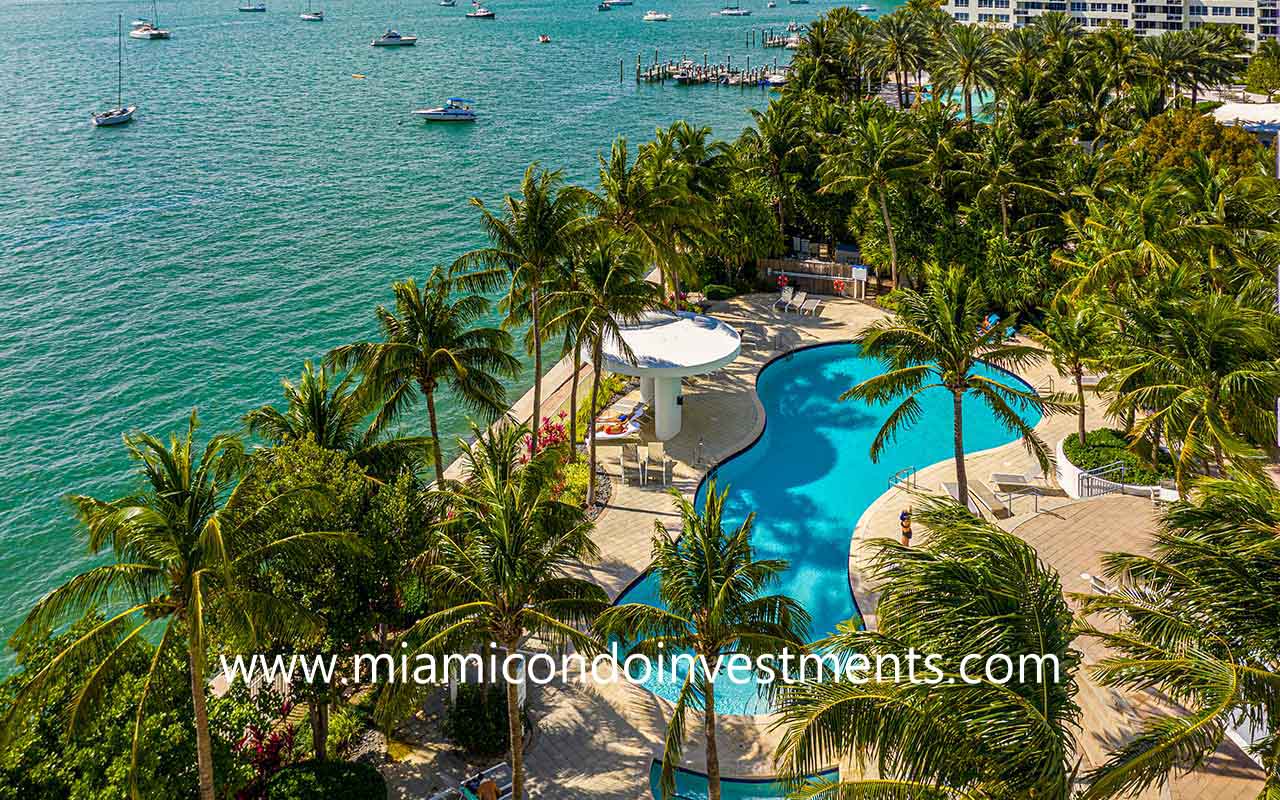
x=1257 y=19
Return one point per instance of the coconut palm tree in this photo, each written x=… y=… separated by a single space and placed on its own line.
x=1074 y=334
x=504 y=561
x=970 y=588
x=937 y=340
x=969 y=59
x=711 y=587
x=774 y=148
x=878 y=152
x=1187 y=623
x=432 y=340
x=1004 y=168
x=609 y=289
x=895 y=45
x=181 y=549
x=333 y=413
x=527 y=240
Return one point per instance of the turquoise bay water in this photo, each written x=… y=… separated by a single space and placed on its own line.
x=693 y=786
x=809 y=478
x=264 y=200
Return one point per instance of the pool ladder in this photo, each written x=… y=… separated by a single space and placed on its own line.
x=903 y=477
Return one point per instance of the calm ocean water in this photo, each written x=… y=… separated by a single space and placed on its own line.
x=264 y=200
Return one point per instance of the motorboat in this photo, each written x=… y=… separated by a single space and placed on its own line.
x=448 y=3
x=253 y=7
x=148 y=28
x=603 y=7
x=620 y=2
x=777 y=79
x=544 y=39
x=455 y=109
x=656 y=16
x=121 y=113
x=480 y=13
x=793 y=43
x=793 y=27
x=771 y=4
x=393 y=38
x=735 y=11
x=864 y=8
x=798 y=2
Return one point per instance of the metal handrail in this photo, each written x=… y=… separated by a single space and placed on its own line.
x=1096 y=482
x=906 y=475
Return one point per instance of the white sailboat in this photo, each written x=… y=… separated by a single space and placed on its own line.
x=312 y=15
x=148 y=29
x=735 y=11
x=121 y=113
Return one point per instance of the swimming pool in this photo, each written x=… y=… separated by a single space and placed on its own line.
x=809 y=477
x=693 y=786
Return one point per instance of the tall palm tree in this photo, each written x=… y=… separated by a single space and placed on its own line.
x=504 y=562
x=969 y=59
x=1073 y=333
x=1193 y=627
x=937 y=340
x=181 y=549
x=333 y=413
x=970 y=588
x=711 y=587
x=895 y=42
x=773 y=149
x=609 y=290
x=432 y=340
x=1004 y=167
x=527 y=240
x=878 y=152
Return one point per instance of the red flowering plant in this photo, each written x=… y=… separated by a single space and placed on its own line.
x=552 y=435
x=268 y=750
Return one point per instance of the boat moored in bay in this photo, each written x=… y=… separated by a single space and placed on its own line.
x=455 y=109
x=393 y=38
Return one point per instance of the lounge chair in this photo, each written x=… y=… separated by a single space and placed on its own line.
x=1026 y=480
x=953 y=491
x=1090 y=381
x=630 y=459
x=614 y=430
x=784 y=296
x=657 y=455
x=1165 y=493
x=811 y=306
x=797 y=301
x=983 y=494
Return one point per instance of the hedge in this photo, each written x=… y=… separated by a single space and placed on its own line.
x=1106 y=446
x=323 y=780
x=716 y=291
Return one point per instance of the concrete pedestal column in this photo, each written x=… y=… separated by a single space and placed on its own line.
x=646 y=390
x=666 y=408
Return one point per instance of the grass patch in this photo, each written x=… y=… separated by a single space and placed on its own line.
x=1107 y=446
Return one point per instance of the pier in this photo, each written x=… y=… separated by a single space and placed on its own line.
x=689 y=72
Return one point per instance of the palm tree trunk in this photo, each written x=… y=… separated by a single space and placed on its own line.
x=430 y=392
x=320 y=728
x=573 y=404
x=713 y=753
x=1080 y=401
x=897 y=77
x=1004 y=217
x=204 y=745
x=968 y=108
x=962 y=479
x=537 y=368
x=596 y=352
x=893 y=246
x=516 y=732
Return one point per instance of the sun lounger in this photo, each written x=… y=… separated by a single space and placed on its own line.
x=797 y=301
x=657 y=455
x=811 y=306
x=1165 y=493
x=1013 y=480
x=630 y=460
x=953 y=490
x=784 y=296
x=1088 y=381
x=610 y=431
x=986 y=497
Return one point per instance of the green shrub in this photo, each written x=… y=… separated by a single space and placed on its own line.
x=575 y=478
x=345 y=727
x=477 y=722
x=610 y=384
x=1106 y=446
x=322 y=780
x=718 y=291
x=889 y=301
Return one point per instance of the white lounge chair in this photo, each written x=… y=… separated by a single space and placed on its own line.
x=797 y=301
x=811 y=306
x=983 y=494
x=784 y=296
x=1026 y=480
x=630 y=430
x=1165 y=493
x=953 y=491
x=657 y=455
x=630 y=459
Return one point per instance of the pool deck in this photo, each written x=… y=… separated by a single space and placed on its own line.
x=598 y=741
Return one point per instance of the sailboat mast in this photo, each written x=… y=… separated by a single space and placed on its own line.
x=120 y=61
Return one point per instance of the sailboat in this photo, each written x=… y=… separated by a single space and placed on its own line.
x=121 y=113
x=148 y=29
x=735 y=11
x=312 y=16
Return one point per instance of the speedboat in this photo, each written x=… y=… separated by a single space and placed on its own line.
x=864 y=8
x=798 y=2
x=603 y=7
x=777 y=79
x=655 y=16
x=544 y=39
x=735 y=11
x=480 y=13
x=148 y=31
x=620 y=2
x=455 y=109
x=250 y=7
x=793 y=27
x=771 y=4
x=394 y=39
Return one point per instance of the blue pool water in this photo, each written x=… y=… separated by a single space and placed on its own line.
x=809 y=477
x=693 y=786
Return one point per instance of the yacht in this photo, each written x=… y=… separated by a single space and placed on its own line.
x=620 y=2
x=480 y=13
x=121 y=113
x=455 y=109
x=251 y=7
x=735 y=11
x=544 y=39
x=148 y=28
x=656 y=16
x=393 y=38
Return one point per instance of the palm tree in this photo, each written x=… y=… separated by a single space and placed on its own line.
x=711 y=585
x=608 y=290
x=432 y=340
x=879 y=152
x=533 y=233
x=969 y=59
x=1192 y=627
x=333 y=414
x=970 y=588
x=895 y=42
x=937 y=340
x=1073 y=333
x=182 y=549
x=504 y=560
x=773 y=149
x=1004 y=167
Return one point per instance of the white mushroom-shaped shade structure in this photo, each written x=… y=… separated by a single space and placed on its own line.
x=667 y=346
